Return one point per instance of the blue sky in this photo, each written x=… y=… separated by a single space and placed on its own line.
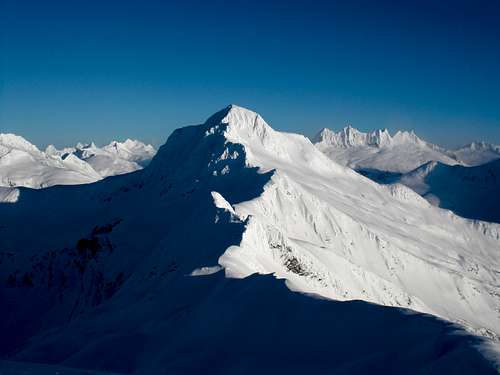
x=101 y=70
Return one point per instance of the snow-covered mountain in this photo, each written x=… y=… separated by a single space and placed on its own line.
x=378 y=150
x=132 y=150
x=23 y=164
x=113 y=159
x=174 y=267
x=472 y=192
x=476 y=153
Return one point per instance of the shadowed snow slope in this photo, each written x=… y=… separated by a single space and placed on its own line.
x=123 y=274
x=477 y=153
x=472 y=192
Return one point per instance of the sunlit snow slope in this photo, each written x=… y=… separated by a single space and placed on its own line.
x=334 y=232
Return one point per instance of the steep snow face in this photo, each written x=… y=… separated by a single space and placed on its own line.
x=378 y=150
x=134 y=272
x=22 y=164
x=476 y=153
x=472 y=192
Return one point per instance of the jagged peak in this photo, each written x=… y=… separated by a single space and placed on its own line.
x=350 y=137
x=323 y=134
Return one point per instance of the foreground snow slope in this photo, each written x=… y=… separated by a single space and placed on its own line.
x=128 y=266
x=379 y=150
x=472 y=192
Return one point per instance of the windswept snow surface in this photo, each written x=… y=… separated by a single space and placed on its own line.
x=123 y=274
x=378 y=150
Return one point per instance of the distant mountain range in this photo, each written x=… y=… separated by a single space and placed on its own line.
x=23 y=164
x=465 y=180
x=400 y=153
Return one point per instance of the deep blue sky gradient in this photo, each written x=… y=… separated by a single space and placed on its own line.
x=101 y=70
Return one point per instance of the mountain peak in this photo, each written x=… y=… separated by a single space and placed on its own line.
x=240 y=122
